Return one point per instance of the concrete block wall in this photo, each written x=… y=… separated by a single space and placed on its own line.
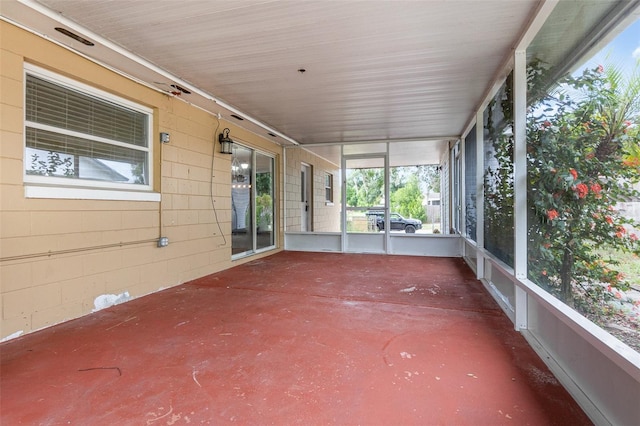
x=326 y=216
x=58 y=255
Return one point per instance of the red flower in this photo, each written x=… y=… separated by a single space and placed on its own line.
x=600 y=69
x=595 y=187
x=546 y=124
x=573 y=173
x=633 y=237
x=552 y=214
x=631 y=162
x=581 y=189
x=609 y=220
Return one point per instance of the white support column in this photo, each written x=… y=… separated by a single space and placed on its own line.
x=283 y=210
x=343 y=196
x=387 y=203
x=480 y=194
x=463 y=192
x=520 y=184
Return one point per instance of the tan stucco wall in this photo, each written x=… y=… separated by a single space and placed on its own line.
x=326 y=217
x=38 y=291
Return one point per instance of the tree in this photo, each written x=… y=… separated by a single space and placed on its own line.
x=263 y=183
x=365 y=187
x=406 y=188
x=397 y=178
x=583 y=159
x=54 y=165
x=407 y=200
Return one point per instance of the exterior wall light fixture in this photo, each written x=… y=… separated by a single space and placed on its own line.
x=225 y=142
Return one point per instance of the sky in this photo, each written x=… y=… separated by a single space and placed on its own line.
x=623 y=51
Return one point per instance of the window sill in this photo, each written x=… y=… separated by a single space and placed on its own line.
x=328 y=203
x=55 y=192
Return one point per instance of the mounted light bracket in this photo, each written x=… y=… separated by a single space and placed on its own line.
x=225 y=142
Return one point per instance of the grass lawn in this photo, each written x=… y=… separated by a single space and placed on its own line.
x=629 y=265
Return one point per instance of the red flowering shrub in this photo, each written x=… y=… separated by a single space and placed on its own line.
x=583 y=156
x=581 y=190
x=573 y=173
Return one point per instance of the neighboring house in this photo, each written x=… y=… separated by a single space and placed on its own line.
x=91 y=168
x=631 y=208
x=432 y=206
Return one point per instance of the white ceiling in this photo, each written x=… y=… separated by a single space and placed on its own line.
x=375 y=70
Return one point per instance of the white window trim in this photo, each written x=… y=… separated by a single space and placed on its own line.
x=63 y=188
x=57 y=192
x=328 y=202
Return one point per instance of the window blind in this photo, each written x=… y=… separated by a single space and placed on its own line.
x=54 y=105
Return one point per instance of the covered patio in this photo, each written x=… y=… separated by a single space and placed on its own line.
x=230 y=169
x=294 y=338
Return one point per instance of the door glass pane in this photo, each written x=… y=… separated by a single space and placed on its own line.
x=306 y=198
x=365 y=195
x=241 y=190
x=457 y=202
x=264 y=201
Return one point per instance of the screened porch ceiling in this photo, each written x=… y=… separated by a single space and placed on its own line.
x=313 y=72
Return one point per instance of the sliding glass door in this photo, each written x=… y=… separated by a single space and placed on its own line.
x=252 y=208
x=264 y=201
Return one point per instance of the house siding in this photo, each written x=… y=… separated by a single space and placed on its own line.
x=104 y=247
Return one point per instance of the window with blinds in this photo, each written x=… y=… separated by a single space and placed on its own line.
x=328 y=188
x=78 y=135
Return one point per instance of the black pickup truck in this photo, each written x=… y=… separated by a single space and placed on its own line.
x=398 y=223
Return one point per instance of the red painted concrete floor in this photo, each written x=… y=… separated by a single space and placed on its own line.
x=295 y=338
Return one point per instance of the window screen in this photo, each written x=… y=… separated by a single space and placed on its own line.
x=470 y=184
